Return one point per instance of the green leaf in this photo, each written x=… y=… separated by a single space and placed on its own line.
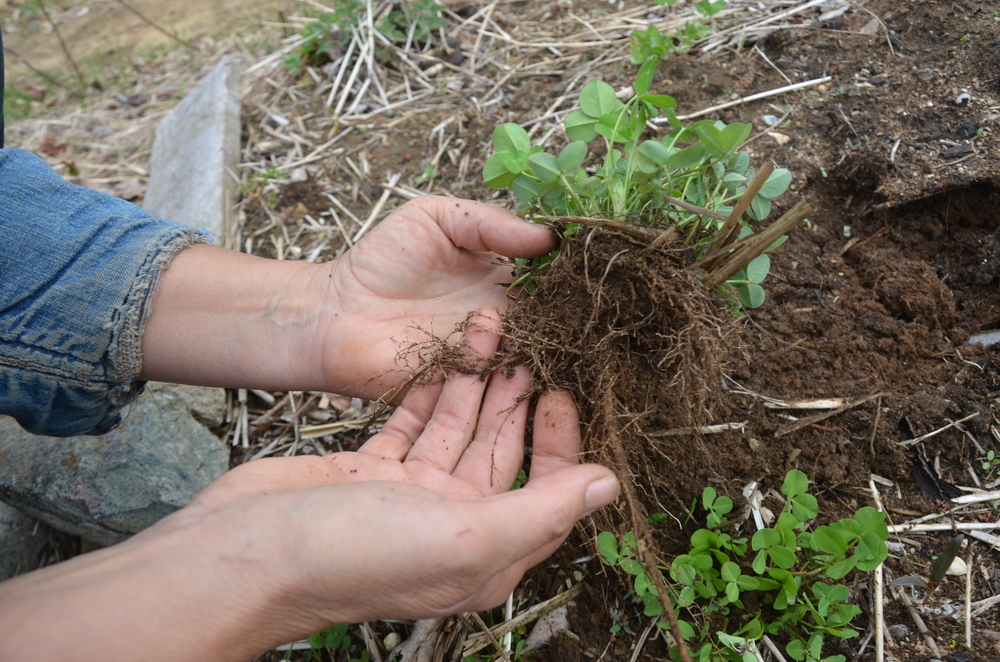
x=796 y=650
x=782 y=557
x=776 y=184
x=805 y=507
x=751 y=295
x=687 y=630
x=651 y=155
x=580 y=126
x=796 y=483
x=651 y=604
x=708 y=496
x=572 y=156
x=511 y=137
x=760 y=207
x=496 y=174
x=733 y=136
x=525 y=189
x=733 y=592
x=607 y=547
x=687 y=158
x=711 y=138
x=660 y=100
x=871 y=551
x=816 y=645
x=871 y=519
x=730 y=572
x=739 y=162
x=641 y=585
x=829 y=540
x=598 y=99
x=753 y=630
x=758 y=269
x=544 y=166
x=840 y=570
x=644 y=77
x=765 y=538
x=760 y=562
x=631 y=566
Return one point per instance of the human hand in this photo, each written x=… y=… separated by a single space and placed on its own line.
x=417 y=523
x=417 y=274
x=222 y=318
x=437 y=533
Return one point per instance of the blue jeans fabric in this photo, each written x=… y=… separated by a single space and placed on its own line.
x=77 y=268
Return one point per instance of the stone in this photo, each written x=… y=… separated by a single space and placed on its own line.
x=206 y=404
x=109 y=487
x=22 y=539
x=899 y=630
x=196 y=146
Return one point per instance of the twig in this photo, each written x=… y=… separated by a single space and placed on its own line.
x=752 y=97
x=63 y=46
x=774 y=649
x=968 y=602
x=815 y=418
x=919 y=622
x=37 y=71
x=718 y=428
x=489 y=634
x=879 y=592
x=917 y=440
x=901 y=529
x=479 y=640
x=729 y=231
x=155 y=26
x=748 y=248
x=377 y=209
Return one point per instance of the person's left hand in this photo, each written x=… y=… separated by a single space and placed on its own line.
x=418 y=274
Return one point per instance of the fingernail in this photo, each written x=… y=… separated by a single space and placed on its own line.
x=600 y=493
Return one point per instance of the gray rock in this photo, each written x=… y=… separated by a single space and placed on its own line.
x=898 y=631
x=21 y=539
x=109 y=487
x=194 y=145
x=206 y=404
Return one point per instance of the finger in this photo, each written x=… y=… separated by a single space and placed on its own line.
x=476 y=226
x=453 y=422
x=525 y=526
x=497 y=452
x=556 y=433
x=405 y=424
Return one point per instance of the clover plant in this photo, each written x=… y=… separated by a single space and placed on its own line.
x=787 y=568
x=689 y=178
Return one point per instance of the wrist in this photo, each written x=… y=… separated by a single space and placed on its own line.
x=221 y=318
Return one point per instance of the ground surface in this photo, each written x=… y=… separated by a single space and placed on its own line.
x=874 y=300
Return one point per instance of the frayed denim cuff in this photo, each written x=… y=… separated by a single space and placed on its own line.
x=77 y=270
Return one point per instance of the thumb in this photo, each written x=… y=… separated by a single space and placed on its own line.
x=535 y=519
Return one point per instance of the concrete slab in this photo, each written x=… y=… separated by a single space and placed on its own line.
x=197 y=145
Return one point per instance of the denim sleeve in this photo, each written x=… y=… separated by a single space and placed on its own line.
x=77 y=268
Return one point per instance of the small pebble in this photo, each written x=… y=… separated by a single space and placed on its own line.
x=391 y=640
x=963 y=99
x=898 y=631
x=957 y=567
x=298 y=175
x=770 y=120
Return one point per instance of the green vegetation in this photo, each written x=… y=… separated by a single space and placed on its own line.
x=651 y=43
x=406 y=24
x=16 y=104
x=784 y=582
x=334 y=641
x=689 y=179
